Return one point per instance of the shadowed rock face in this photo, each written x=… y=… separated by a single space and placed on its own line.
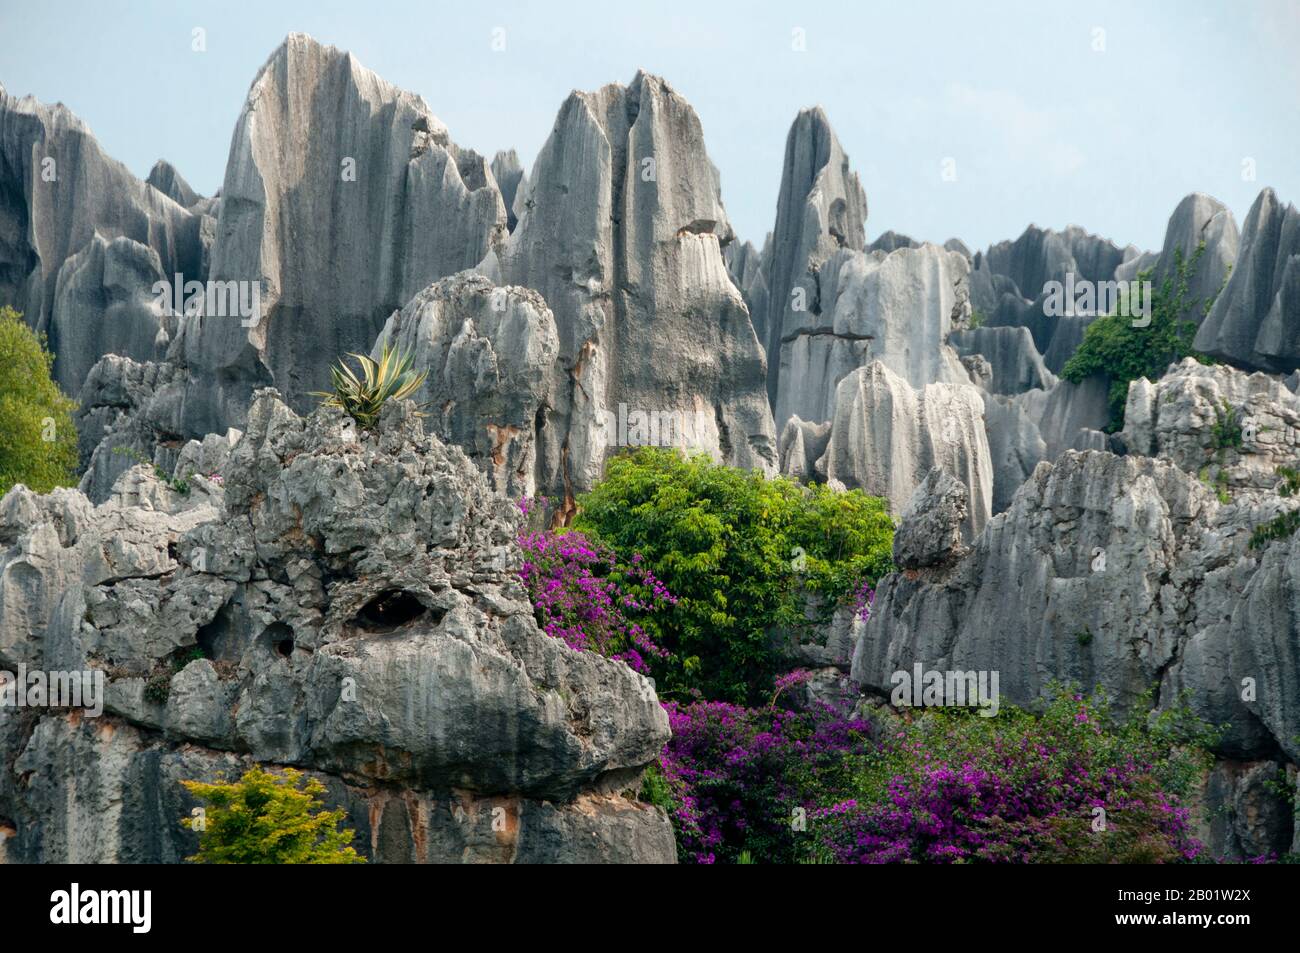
x=355 y=598
x=1127 y=573
x=1042 y=255
x=1014 y=363
x=343 y=197
x=621 y=231
x=82 y=240
x=820 y=209
x=167 y=179
x=1255 y=321
x=512 y=181
x=748 y=268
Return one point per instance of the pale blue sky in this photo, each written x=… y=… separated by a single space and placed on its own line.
x=1043 y=128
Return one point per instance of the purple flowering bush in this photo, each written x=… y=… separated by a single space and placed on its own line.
x=1070 y=785
x=584 y=595
x=745 y=780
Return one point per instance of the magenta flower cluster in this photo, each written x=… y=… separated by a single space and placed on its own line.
x=864 y=597
x=585 y=596
x=747 y=778
x=949 y=789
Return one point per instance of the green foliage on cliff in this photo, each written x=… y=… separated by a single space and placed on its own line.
x=745 y=556
x=1117 y=350
x=38 y=442
x=268 y=818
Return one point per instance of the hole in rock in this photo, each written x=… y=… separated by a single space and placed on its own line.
x=279 y=638
x=390 y=609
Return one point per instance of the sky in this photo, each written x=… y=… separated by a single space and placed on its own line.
x=968 y=120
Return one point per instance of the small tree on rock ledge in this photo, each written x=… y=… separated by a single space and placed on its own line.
x=268 y=818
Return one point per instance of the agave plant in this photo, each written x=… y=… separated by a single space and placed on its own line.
x=362 y=398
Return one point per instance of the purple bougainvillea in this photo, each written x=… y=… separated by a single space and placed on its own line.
x=586 y=597
x=769 y=784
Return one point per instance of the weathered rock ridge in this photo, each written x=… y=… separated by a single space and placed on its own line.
x=340 y=601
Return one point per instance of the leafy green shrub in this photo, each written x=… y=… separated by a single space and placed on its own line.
x=1284 y=525
x=1290 y=481
x=363 y=398
x=269 y=818
x=1226 y=432
x=1112 y=348
x=38 y=442
x=745 y=556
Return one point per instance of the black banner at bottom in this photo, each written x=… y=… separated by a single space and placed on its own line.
x=142 y=904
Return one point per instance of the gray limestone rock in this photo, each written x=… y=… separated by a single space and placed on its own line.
x=802 y=445
x=892 y=241
x=621 y=233
x=748 y=268
x=112 y=281
x=512 y=181
x=1241 y=815
x=1255 y=321
x=490 y=355
x=1015 y=363
x=1212 y=417
x=354 y=596
x=821 y=209
x=124 y=418
x=343 y=197
x=1198 y=220
x=930 y=526
x=886 y=436
x=897 y=308
x=1085 y=578
x=82 y=240
x=167 y=179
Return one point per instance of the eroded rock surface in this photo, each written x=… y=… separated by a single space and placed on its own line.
x=353 y=598
x=621 y=232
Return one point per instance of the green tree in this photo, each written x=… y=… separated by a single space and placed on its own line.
x=1114 y=349
x=746 y=557
x=269 y=818
x=38 y=442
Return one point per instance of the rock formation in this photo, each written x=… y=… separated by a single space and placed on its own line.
x=273 y=585
x=1255 y=321
x=512 y=181
x=621 y=233
x=886 y=436
x=1198 y=220
x=490 y=356
x=821 y=208
x=1131 y=573
x=166 y=178
x=82 y=241
x=897 y=308
x=342 y=601
x=343 y=197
